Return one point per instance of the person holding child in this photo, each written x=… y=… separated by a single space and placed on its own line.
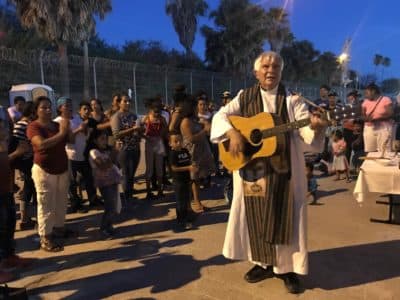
x=107 y=176
x=340 y=163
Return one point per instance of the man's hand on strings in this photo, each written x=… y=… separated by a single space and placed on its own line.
x=236 y=142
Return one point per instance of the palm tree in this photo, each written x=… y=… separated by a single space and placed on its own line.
x=184 y=15
x=60 y=22
x=98 y=8
x=386 y=61
x=377 y=61
x=240 y=36
x=278 y=28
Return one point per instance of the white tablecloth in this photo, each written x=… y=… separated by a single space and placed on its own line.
x=378 y=176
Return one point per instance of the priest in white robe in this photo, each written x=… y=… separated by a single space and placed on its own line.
x=291 y=258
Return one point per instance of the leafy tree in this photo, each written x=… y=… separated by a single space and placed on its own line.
x=386 y=62
x=299 y=58
x=238 y=38
x=93 y=8
x=278 y=28
x=12 y=35
x=153 y=52
x=184 y=14
x=325 y=67
x=377 y=61
x=60 y=22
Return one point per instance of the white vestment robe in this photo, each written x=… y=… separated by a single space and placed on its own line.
x=291 y=257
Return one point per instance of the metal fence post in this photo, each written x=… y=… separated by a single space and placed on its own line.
x=166 y=85
x=95 y=77
x=41 y=65
x=212 y=87
x=134 y=88
x=191 y=82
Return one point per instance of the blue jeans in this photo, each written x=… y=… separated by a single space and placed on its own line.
x=129 y=161
x=7 y=225
x=110 y=196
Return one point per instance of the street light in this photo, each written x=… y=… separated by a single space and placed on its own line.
x=343 y=58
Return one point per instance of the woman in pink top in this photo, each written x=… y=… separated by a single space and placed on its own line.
x=377 y=111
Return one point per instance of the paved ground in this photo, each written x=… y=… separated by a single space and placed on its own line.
x=350 y=258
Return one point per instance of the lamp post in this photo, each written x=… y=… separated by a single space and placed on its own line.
x=343 y=60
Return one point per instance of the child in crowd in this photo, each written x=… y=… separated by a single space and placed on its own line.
x=156 y=129
x=181 y=166
x=340 y=163
x=106 y=177
x=311 y=183
x=357 y=146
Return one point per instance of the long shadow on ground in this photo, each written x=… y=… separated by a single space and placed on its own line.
x=131 y=235
x=353 y=265
x=323 y=193
x=161 y=272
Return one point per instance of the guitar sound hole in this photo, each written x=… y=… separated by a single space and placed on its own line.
x=256 y=136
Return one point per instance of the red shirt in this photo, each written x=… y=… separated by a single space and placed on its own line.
x=52 y=160
x=154 y=128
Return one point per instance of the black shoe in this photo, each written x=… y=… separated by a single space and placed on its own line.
x=258 y=273
x=292 y=282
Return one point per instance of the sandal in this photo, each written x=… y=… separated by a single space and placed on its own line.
x=199 y=208
x=349 y=180
x=49 y=246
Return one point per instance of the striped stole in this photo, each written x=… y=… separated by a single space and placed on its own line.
x=269 y=217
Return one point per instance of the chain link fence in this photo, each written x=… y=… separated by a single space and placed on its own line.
x=109 y=76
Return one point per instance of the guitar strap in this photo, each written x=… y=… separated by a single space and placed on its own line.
x=266 y=185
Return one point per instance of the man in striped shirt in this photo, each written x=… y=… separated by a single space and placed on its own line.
x=24 y=165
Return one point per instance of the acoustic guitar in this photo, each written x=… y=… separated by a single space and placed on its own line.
x=264 y=134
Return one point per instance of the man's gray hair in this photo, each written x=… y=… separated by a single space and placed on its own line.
x=257 y=62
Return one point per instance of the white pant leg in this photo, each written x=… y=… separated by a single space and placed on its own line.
x=384 y=137
x=370 y=139
x=61 y=199
x=45 y=185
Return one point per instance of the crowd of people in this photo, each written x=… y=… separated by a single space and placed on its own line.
x=371 y=128
x=49 y=161
x=96 y=150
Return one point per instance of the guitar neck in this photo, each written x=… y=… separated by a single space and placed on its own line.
x=285 y=127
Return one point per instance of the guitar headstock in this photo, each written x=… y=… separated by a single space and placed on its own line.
x=347 y=111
